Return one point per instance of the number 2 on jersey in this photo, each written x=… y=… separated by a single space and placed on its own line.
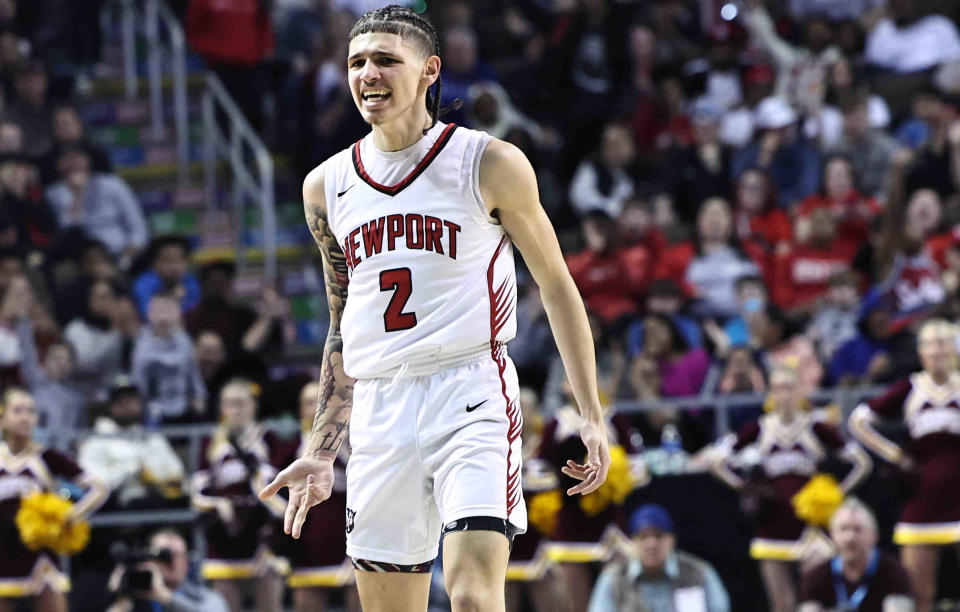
x=399 y=281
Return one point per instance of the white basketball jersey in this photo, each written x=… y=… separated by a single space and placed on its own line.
x=431 y=272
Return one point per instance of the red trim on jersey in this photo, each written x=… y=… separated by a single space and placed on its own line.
x=501 y=307
x=392 y=190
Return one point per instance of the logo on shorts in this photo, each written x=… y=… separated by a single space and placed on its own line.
x=475 y=406
x=350 y=515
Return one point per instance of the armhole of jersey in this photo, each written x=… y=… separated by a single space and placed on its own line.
x=476 y=149
x=332 y=182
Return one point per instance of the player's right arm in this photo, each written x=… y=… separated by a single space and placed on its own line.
x=310 y=478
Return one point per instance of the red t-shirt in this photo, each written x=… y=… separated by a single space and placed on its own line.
x=611 y=283
x=673 y=263
x=804 y=273
x=769 y=228
x=230 y=31
x=854 y=214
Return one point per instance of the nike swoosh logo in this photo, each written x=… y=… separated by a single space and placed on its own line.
x=340 y=195
x=475 y=406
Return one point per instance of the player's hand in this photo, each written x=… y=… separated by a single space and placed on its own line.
x=309 y=481
x=593 y=473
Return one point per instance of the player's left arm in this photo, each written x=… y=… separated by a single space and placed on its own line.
x=508 y=186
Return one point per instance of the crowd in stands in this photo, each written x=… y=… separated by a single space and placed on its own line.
x=753 y=197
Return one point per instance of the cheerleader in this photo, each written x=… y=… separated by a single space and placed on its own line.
x=790 y=443
x=319 y=558
x=928 y=403
x=586 y=534
x=27 y=467
x=234 y=464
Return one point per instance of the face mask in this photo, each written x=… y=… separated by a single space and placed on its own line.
x=752 y=305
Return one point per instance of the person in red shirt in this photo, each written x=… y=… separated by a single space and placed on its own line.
x=756 y=216
x=839 y=194
x=636 y=227
x=234 y=37
x=802 y=274
x=610 y=278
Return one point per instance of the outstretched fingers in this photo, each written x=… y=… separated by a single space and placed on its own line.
x=275 y=485
x=301 y=514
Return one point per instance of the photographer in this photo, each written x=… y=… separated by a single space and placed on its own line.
x=168 y=588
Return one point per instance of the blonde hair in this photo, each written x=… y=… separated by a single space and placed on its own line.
x=935 y=328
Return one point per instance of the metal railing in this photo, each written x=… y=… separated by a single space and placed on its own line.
x=236 y=143
x=166 y=44
x=256 y=184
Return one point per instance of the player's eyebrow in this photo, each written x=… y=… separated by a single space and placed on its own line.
x=377 y=53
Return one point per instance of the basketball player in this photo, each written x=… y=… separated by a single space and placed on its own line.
x=415 y=223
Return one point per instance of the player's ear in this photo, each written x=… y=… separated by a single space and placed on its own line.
x=431 y=69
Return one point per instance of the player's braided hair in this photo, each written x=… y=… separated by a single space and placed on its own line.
x=408 y=25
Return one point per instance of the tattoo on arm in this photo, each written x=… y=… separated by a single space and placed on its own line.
x=336 y=388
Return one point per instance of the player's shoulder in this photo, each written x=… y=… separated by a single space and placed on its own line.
x=315 y=181
x=502 y=156
x=505 y=172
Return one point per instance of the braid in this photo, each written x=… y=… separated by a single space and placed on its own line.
x=407 y=24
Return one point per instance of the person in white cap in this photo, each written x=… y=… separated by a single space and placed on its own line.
x=778 y=147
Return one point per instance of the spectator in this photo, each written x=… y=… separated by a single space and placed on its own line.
x=98 y=340
x=240 y=327
x=101 y=204
x=645 y=383
x=709 y=266
x=462 y=68
x=169 y=273
x=489 y=108
x=860 y=577
x=869 y=149
x=96 y=263
x=665 y=298
x=903 y=41
x=61 y=402
x=234 y=464
x=141 y=469
x=27 y=221
x=607 y=181
x=164 y=367
x=803 y=273
x=741 y=373
x=211 y=358
x=780 y=537
x=657 y=576
x=234 y=39
x=756 y=217
x=171 y=588
x=835 y=321
x=635 y=226
x=840 y=196
x=926 y=107
x=610 y=279
x=682 y=370
x=751 y=299
x=702 y=170
x=801 y=70
x=782 y=345
x=791 y=160
x=880 y=351
x=31 y=110
x=738 y=125
x=69 y=131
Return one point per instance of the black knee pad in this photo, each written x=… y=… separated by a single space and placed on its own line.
x=383 y=567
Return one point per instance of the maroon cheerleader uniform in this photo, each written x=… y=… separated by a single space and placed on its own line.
x=236 y=470
x=931 y=413
x=528 y=558
x=579 y=537
x=789 y=453
x=319 y=557
x=24 y=572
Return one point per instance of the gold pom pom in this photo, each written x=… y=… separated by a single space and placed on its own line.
x=543 y=509
x=615 y=488
x=42 y=523
x=816 y=502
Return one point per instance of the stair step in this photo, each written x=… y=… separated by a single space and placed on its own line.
x=111 y=88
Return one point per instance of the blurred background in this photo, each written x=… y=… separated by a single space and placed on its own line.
x=737 y=186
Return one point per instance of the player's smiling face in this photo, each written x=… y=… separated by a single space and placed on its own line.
x=388 y=75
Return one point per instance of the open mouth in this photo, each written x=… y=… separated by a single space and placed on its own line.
x=372 y=96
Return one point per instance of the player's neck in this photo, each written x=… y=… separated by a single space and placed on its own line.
x=401 y=133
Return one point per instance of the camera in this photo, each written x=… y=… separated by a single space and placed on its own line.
x=136 y=580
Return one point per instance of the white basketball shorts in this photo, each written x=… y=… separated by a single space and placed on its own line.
x=429 y=450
